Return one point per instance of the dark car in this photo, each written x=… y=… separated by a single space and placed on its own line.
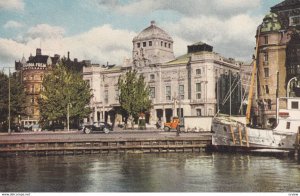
x=97 y=127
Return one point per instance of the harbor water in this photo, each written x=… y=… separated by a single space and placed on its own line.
x=173 y=172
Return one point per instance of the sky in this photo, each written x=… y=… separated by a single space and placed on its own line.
x=102 y=30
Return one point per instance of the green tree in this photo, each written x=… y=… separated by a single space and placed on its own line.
x=134 y=94
x=17 y=98
x=63 y=91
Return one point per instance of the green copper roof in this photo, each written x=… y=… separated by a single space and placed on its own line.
x=270 y=23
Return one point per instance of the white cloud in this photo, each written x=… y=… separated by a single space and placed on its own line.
x=100 y=44
x=45 y=31
x=12 y=24
x=12 y=4
x=233 y=37
x=222 y=8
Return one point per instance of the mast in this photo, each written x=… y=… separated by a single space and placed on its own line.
x=250 y=96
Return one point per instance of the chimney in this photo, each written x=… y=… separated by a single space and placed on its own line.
x=152 y=22
x=75 y=60
x=38 y=51
x=68 y=55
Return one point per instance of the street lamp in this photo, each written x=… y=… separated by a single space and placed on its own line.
x=9 y=130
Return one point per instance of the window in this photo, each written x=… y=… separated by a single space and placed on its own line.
x=181 y=91
x=152 y=92
x=294 y=20
x=117 y=94
x=106 y=96
x=295 y=105
x=198 y=71
x=161 y=43
x=266 y=40
x=169 y=45
x=24 y=78
x=32 y=88
x=150 y=43
x=198 y=112
x=165 y=44
x=269 y=104
x=168 y=92
x=32 y=100
x=42 y=77
x=210 y=112
x=152 y=77
x=266 y=56
x=266 y=69
x=144 y=44
x=138 y=45
x=288 y=125
x=198 y=90
x=32 y=77
x=267 y=89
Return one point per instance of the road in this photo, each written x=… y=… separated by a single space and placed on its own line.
x=79 y=135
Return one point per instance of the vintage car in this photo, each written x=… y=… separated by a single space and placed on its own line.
x=174 y=124
x=97 y=127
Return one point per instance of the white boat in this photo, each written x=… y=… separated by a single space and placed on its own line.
x=229 y=134
x=232 y=135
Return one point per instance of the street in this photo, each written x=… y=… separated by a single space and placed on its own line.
x=79 y=135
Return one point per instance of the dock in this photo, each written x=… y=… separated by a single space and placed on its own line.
x=78 y=143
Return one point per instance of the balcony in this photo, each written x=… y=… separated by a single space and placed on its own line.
x=203 y=101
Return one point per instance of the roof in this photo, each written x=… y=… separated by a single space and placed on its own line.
x=180 y=60
x=151 y=32
x=38 y=59
x=286 y=5
x=270 y=23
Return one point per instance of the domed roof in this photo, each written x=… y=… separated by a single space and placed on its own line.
x=153 y=32
x=270 y=23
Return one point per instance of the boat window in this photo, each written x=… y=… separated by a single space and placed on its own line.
x=288 y=125
x=295 y=105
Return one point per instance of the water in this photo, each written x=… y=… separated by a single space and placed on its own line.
x=174 y=172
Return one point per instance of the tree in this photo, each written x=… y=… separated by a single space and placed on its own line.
x=17 y=97
x=134 y=94
x=64 y=91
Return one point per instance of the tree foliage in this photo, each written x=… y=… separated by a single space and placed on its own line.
x=134 y=94
x=17 y=97
x=62 y=88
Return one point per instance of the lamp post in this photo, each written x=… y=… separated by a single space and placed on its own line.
x=288 y=86
x=9 y=130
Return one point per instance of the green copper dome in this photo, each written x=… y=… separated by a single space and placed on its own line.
x=270 y=23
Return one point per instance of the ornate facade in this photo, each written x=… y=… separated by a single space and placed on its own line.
x=184 y=85
x=278 y=57
x=32 y=72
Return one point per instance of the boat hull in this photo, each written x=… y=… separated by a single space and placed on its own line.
x=250 y=150
x=234 y=136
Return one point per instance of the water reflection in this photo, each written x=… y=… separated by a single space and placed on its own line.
x=176 y=172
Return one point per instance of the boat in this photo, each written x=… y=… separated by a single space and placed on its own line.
x=233 y=135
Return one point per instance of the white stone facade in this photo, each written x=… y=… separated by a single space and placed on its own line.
x=187 y=82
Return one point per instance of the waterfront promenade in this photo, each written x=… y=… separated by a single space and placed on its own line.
x=118 y=141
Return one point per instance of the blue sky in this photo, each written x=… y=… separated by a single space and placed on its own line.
x=102 y=30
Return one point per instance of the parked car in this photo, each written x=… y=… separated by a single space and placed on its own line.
x=53 y=127
x=36 y=127
x=27 y=127
x=97 y=127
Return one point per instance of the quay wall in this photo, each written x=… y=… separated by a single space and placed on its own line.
x=106 y=145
